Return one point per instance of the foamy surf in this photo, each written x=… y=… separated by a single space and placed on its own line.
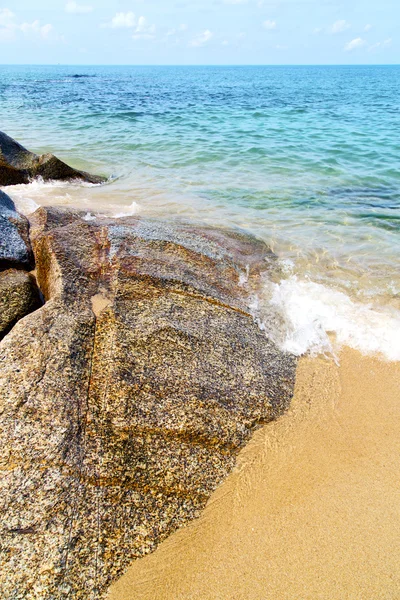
x=28 y=197
x=307 y=317
x=131 y=210
x=69 y=194
x=300 y=315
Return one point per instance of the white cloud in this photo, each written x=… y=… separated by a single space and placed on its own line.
x=202 y=39
x=128 y=20
x=143 y=36
x=383 y=44
x=46 y=30
x=77 y=9
x=340 y=26
x=175 y=31
x=122 y=21
x=6 y=17
x=141 y=26
x=368 y=27
x=35 y=28
x=354 y=44
x=143 y=31
x=9 y=27
x=236 y=1
x=269 y=25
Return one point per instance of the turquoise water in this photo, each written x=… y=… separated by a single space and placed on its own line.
x=305 y=157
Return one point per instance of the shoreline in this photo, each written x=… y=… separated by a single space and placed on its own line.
x=312 y=508
x=302 y=307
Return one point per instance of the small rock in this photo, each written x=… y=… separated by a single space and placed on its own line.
x=19 y=296
x=15 y=247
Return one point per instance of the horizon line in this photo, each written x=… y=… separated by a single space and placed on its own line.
x=199 y=65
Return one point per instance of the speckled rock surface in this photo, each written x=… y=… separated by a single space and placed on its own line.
x=19 y=296
x=18 y=165
x=126 y=398
x=15 y=248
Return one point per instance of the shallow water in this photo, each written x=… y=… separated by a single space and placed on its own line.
x=307 y=158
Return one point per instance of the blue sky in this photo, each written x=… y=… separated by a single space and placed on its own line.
x=200 y=32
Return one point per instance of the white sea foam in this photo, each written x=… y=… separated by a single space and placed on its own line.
x=26 y=205
x=130 y=210
x=89 y=217
x=69 y=194
x=28 y=197
x=310 y=317
x=39 y=185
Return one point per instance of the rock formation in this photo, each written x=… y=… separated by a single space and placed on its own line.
x=18 y=165
x=19 y=294
x=125 y=399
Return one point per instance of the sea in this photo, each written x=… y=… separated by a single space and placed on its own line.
x=306 y=158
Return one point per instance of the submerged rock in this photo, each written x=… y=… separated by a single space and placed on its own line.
x=15 y=247
x=125 y=399
x=19 y=296
x=18 y=165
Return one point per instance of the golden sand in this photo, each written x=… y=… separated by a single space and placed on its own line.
x=312 y=510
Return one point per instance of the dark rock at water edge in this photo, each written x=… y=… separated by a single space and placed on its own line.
x=15 y=247
x=18 y=165
x=19 y=294
x=125 y=399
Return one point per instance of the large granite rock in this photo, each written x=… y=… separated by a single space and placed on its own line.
x=15 y=247
x=18 y=165
x=19 y=296
x=125 y=399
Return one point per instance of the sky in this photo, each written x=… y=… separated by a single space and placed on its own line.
x=142 y=32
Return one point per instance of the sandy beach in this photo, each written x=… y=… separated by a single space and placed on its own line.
x=312 y=510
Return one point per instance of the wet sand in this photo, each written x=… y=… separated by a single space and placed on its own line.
x=312 y=510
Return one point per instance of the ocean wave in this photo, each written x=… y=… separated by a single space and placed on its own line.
x=29 y=197
x=307 y=317
x=130 y=210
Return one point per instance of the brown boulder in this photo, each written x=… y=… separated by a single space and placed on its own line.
x=126 y=398
x=18 y=165
x=19 y=296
